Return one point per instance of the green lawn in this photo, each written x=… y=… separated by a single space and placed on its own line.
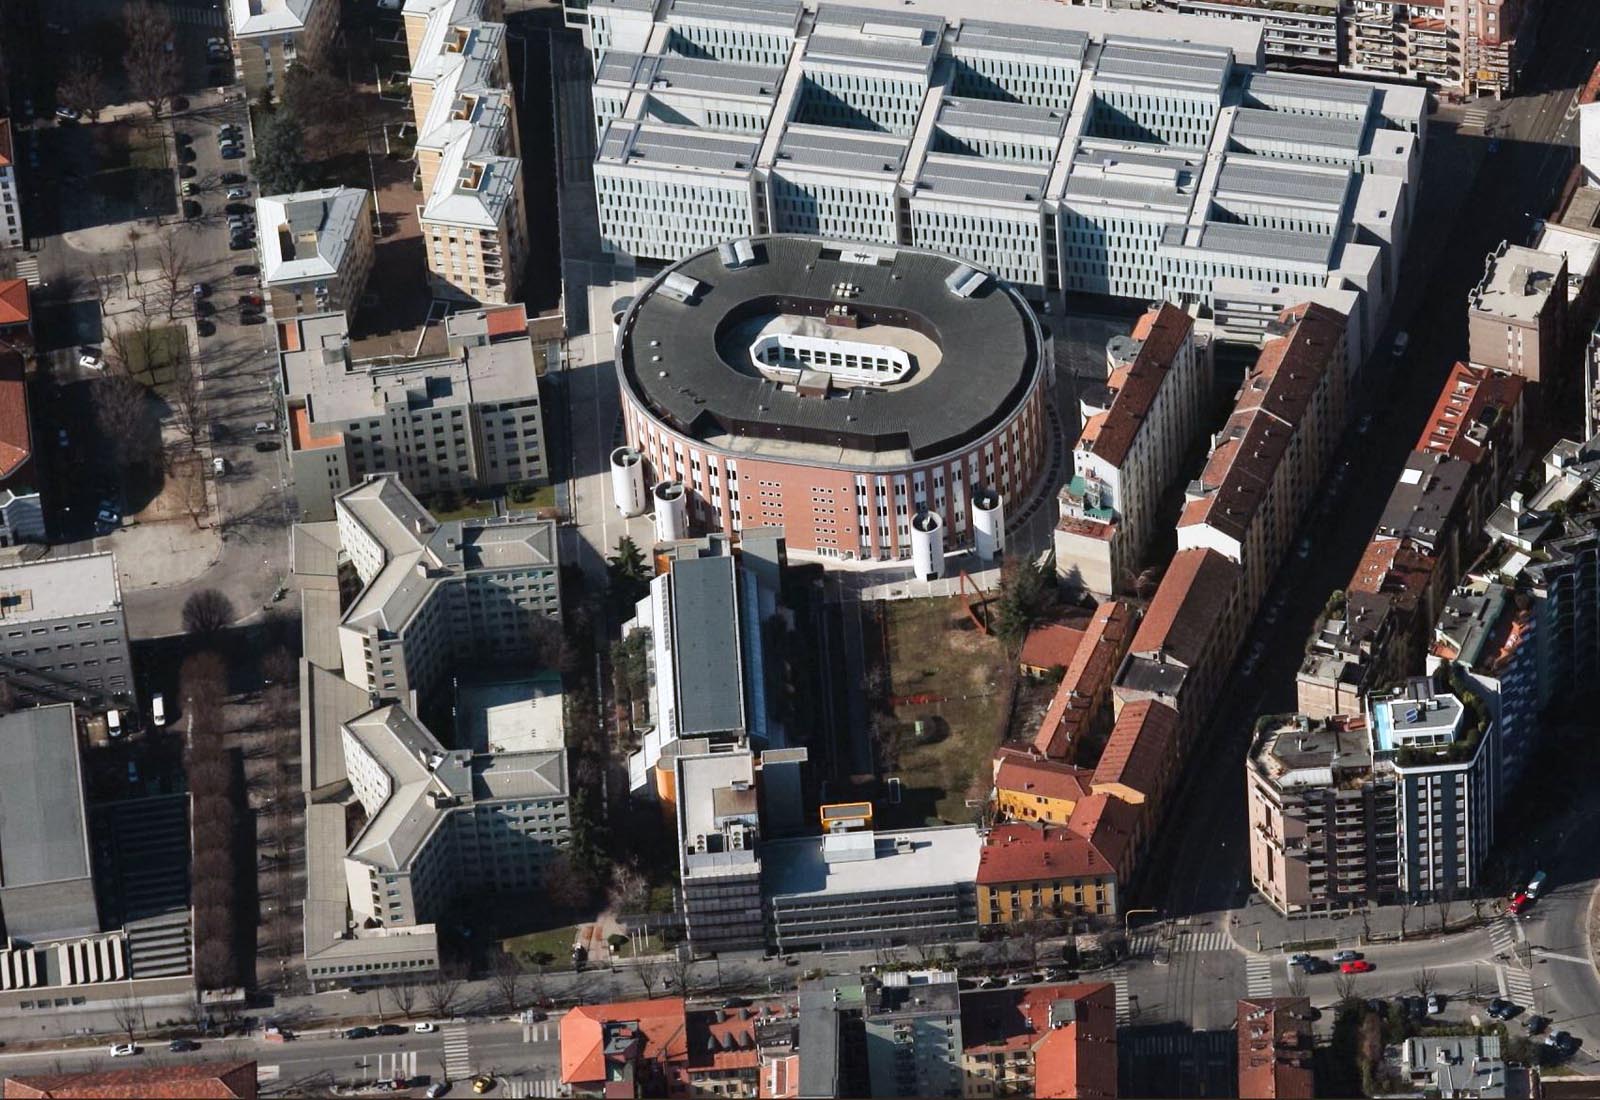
x=151 y=359
x=557 y=941
x=530 y=498
x=443 y=508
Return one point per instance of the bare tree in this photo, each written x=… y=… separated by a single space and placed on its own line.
x=182 y=468
x=507 y=981
x=404 y=996
x=1344 y=985
x=1297 y=982
x=629 y=887
x=440 y=995
x=1425 y=981
x=206 y=612
x=188 y=405
x=1406 y=906
x=680 y=971
x=1444 y=902
x=176 y=273
x=119 y=415
x=126 y=1012
x=650 y=972
x=151 y=59
x=81 y=86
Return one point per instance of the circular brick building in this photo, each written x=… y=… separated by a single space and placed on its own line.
x=837 y=390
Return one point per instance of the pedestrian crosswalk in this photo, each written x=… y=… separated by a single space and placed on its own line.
x=457 y=1053
x=28 y=270
x=1258 y=976
x=1143 y=944
x=1119 y=980
x=543 y=1087
x=1475 y=117
x=1516 y=984
x=1503 y=935
x=542 y=1032
x=1203 y=941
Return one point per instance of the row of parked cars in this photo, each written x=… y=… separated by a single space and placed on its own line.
x=1348 y=962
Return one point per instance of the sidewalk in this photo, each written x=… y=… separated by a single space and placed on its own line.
x=1258 y=927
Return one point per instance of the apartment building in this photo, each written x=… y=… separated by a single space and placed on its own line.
x=63 y=636
x=1487 y=633
x=1276 y=1048
x=270 y=36
x=1322 y=822
x=1443 y=748
x=441 y=822
x=1029 y=788
x=1517 y=316
x=21 y=508
x=1139 y=761
x=912 y=1030
x=1057 y=1041
x=626 y=1048
x=1035 y=872
x=1353 y=649
x=1472 y=47
x=435 y=594
x=1478 y=419
x=316 y=250
x=1138 y=430
x=1186 y=641
x=466 y=420
x=1265 y=464
x=1010 y=142
x=1081 y=709
x=10 y=193
x=1294 y=32
x=709 y=671
x=473 y=216
x=719 y=833
x=232 y=1080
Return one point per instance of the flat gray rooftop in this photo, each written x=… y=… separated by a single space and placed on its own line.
x=704 y=385
x=677 y=147
x=1289 y=183
x=42 y=833
x=1333 y=131
x=705 y=630
x=1143 y=64
x=1274 y=244
x=666 y=73
x=767 y=14
x=59 y=588
x=1054 y=43
x=837 y=149
x=937 y=858
x=1276 y=88
x=982 y=179
x=993 y=117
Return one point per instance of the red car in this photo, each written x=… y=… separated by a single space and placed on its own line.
x=1520 y=902
x=250 y=300
x=1355 y=966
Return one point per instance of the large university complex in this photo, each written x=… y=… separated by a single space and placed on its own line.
x=1141 y=155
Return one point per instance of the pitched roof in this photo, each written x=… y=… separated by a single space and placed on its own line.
x=1275 y=1048
x=14 y=307
x=1050 y=645
x=1108 y=823
x=1161 y=332
x=1188 y=604
x=1028 y=852
x=15 y=441
x=1071 y=1030
x=1397 y=568
x=1018 y=771
x=190 y=1081
x=662 y=1024
x=1140 y=747
x=1472 y=396
x=1087 y=677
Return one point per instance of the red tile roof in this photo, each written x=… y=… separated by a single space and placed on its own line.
x=1070 y=1029
x=1035 y=853
x=1397 y=568
x=780 y=1078
x=724 y=1038
x=15 y=439
x=1188 y=605
x=14 y=307
x=192 y=1081
x=1471 y=395
x=661 y=1026
x=1275 y=1048
x=1140 y=749
x=1027 y=774
x=1110 y=824
x=1089 y=674
x=1049 y=646
x=507 y=321
x=1110 y=435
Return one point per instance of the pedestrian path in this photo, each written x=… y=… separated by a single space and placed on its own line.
x=1475 y=117
x=542 y=1032
x=1258 y=976
x=1143 y=944
x=1119 y=980
x=518 y=1087
x=1503 y=935
x=457 y=1053
x=1517 y=984
x=1204 y=941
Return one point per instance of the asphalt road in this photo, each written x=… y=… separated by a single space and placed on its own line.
x=1201 y=870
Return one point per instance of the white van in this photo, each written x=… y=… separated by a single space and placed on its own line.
x=158 y=708
x=113 y=723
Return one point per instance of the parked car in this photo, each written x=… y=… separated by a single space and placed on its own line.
x=192 y=209
x=62 y=439
x=203 y=308
x=232 y=152
x=993 y=983
x=67 y=114
x=1435 y=1004
x=1355 y=966
x=1346 y=956
x=252 y=318
x=1501 y=1009
x=233 y=177
x=182 y=138
x=200 y=290
x=186 y=154
x=482 y=1083
x=182 y=1046
x=187 y=171
x=265 y=427
x=359 y=1033
x=1364 y=425
x=1402 y=341
x=1520 y=902
x=1535 y=1023
x=267 y=444
x=89 y=359
x=1299 y=958
x=390 y=1029
x=425 y=1028
x=1317 y=966
x=219 y=465
x=239 y=208
x=238 y=192
x=438 y=1089
x=239 y=244
x=246 y=269
x=190 y=189
x=205 y=328
x=252 y=300
x=1304 y=549
x=1561 y=1042
x=125 y=1050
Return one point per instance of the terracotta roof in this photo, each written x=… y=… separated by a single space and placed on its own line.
x=724 y=1038
x=1188 y=605
x=1088 y=676
x=1029 y=774
x=7 y=157
x=1275 y=1048
x=1472 y=403
x=15 y=440
x=190 y=1081
x=1050 y=645
x=1140 y=748
x=1397 y=568
x=1070 y=1029
x=1275 y=395
x=507 y=321
x=661 y=1024
x=1030 y=853
x=780 y=1078
x=1108 y=823
x=1163 y=331
x=300 y=437
x=14 y=307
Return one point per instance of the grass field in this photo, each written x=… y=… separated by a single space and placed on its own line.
x=464 y=508
x=556 y=941
x=535 y=498
x=933 y=649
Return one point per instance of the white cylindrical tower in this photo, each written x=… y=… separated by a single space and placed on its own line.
x=988 y=524
x=927 y=546
x=672 y=512
x=627 y=481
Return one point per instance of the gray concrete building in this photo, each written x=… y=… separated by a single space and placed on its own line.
x=63 y=636
x=316 y=250
x=468 y=419
x=1517 y=316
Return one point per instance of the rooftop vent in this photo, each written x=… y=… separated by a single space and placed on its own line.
x=965 y=281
